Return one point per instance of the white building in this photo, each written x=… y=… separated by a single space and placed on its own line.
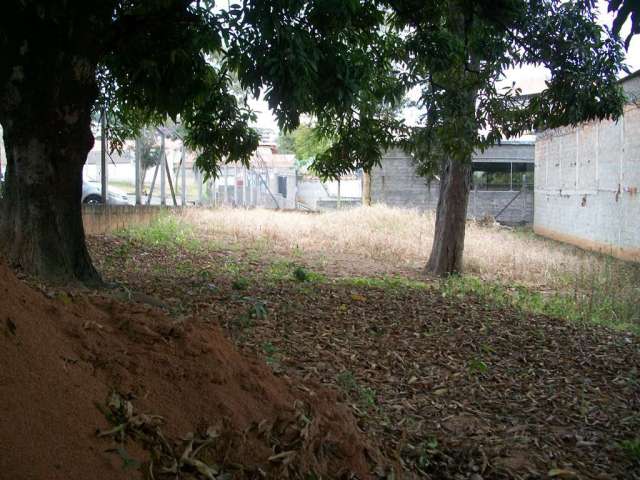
x=587 y=182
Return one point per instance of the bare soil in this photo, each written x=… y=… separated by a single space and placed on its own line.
x=64 y=353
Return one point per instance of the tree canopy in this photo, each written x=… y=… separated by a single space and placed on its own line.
x=346 y=63
x=144 y=62
x=306 y=142
x=444 y=50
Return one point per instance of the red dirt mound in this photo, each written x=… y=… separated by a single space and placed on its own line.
x=61 y=357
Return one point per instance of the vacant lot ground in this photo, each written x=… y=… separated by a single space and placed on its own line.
x=468 y=378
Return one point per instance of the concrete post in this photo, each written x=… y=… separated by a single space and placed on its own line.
x=104 y=173
x=244 y=187
x=138 y=179
x=163 y=174
x=256 y=188
x=511 y=176
x=183 y=186
x=235 y=185
x=199 y=182
x=225 y=192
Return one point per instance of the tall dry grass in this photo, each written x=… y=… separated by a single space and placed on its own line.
x=404 y=237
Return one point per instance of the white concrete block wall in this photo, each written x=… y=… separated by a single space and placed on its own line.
x=632 y=87
x=587 y=185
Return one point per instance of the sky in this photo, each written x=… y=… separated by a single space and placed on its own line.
x=529 y=78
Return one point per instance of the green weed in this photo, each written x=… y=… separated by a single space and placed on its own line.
x=477 y=365
x=240 y=283
x=258 y=308
x=272 y=354
x=166 y=231
x=596 y=306
x=386 y=283
x=300 y=274
x=426 y=451
x=365 y=396
x=279 y=270
x=632 y=449
x=346 y=380
x=284 y=270
x=231 y=267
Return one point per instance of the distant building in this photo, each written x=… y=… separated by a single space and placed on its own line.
x=275 y=177
x=587 y=182
x=502 y=185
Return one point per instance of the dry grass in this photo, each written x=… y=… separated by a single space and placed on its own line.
x=404 y=237
x=514 y=266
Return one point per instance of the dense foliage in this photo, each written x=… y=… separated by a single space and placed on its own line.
x=455 y=53
x=348 y=63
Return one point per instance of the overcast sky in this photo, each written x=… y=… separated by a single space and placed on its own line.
x=529 y=79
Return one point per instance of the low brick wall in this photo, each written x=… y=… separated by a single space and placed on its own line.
x=100 y=219
x=332 y=204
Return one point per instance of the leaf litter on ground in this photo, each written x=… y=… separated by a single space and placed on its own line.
x=452 y=386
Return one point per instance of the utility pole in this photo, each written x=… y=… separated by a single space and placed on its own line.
x=103 y=157
x=198 y=176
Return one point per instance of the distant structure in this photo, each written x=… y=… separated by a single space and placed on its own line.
x=502 y=185
x=587 y=182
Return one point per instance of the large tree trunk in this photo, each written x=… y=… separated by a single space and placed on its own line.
x=47 y=133
x=459 y=108
x=451 y=216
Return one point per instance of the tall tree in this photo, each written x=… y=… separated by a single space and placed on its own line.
x=454 y=53
x=476 y=43
x=144 y=61
x=62 y=59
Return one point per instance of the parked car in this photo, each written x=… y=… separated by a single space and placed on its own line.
x=92 y=194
